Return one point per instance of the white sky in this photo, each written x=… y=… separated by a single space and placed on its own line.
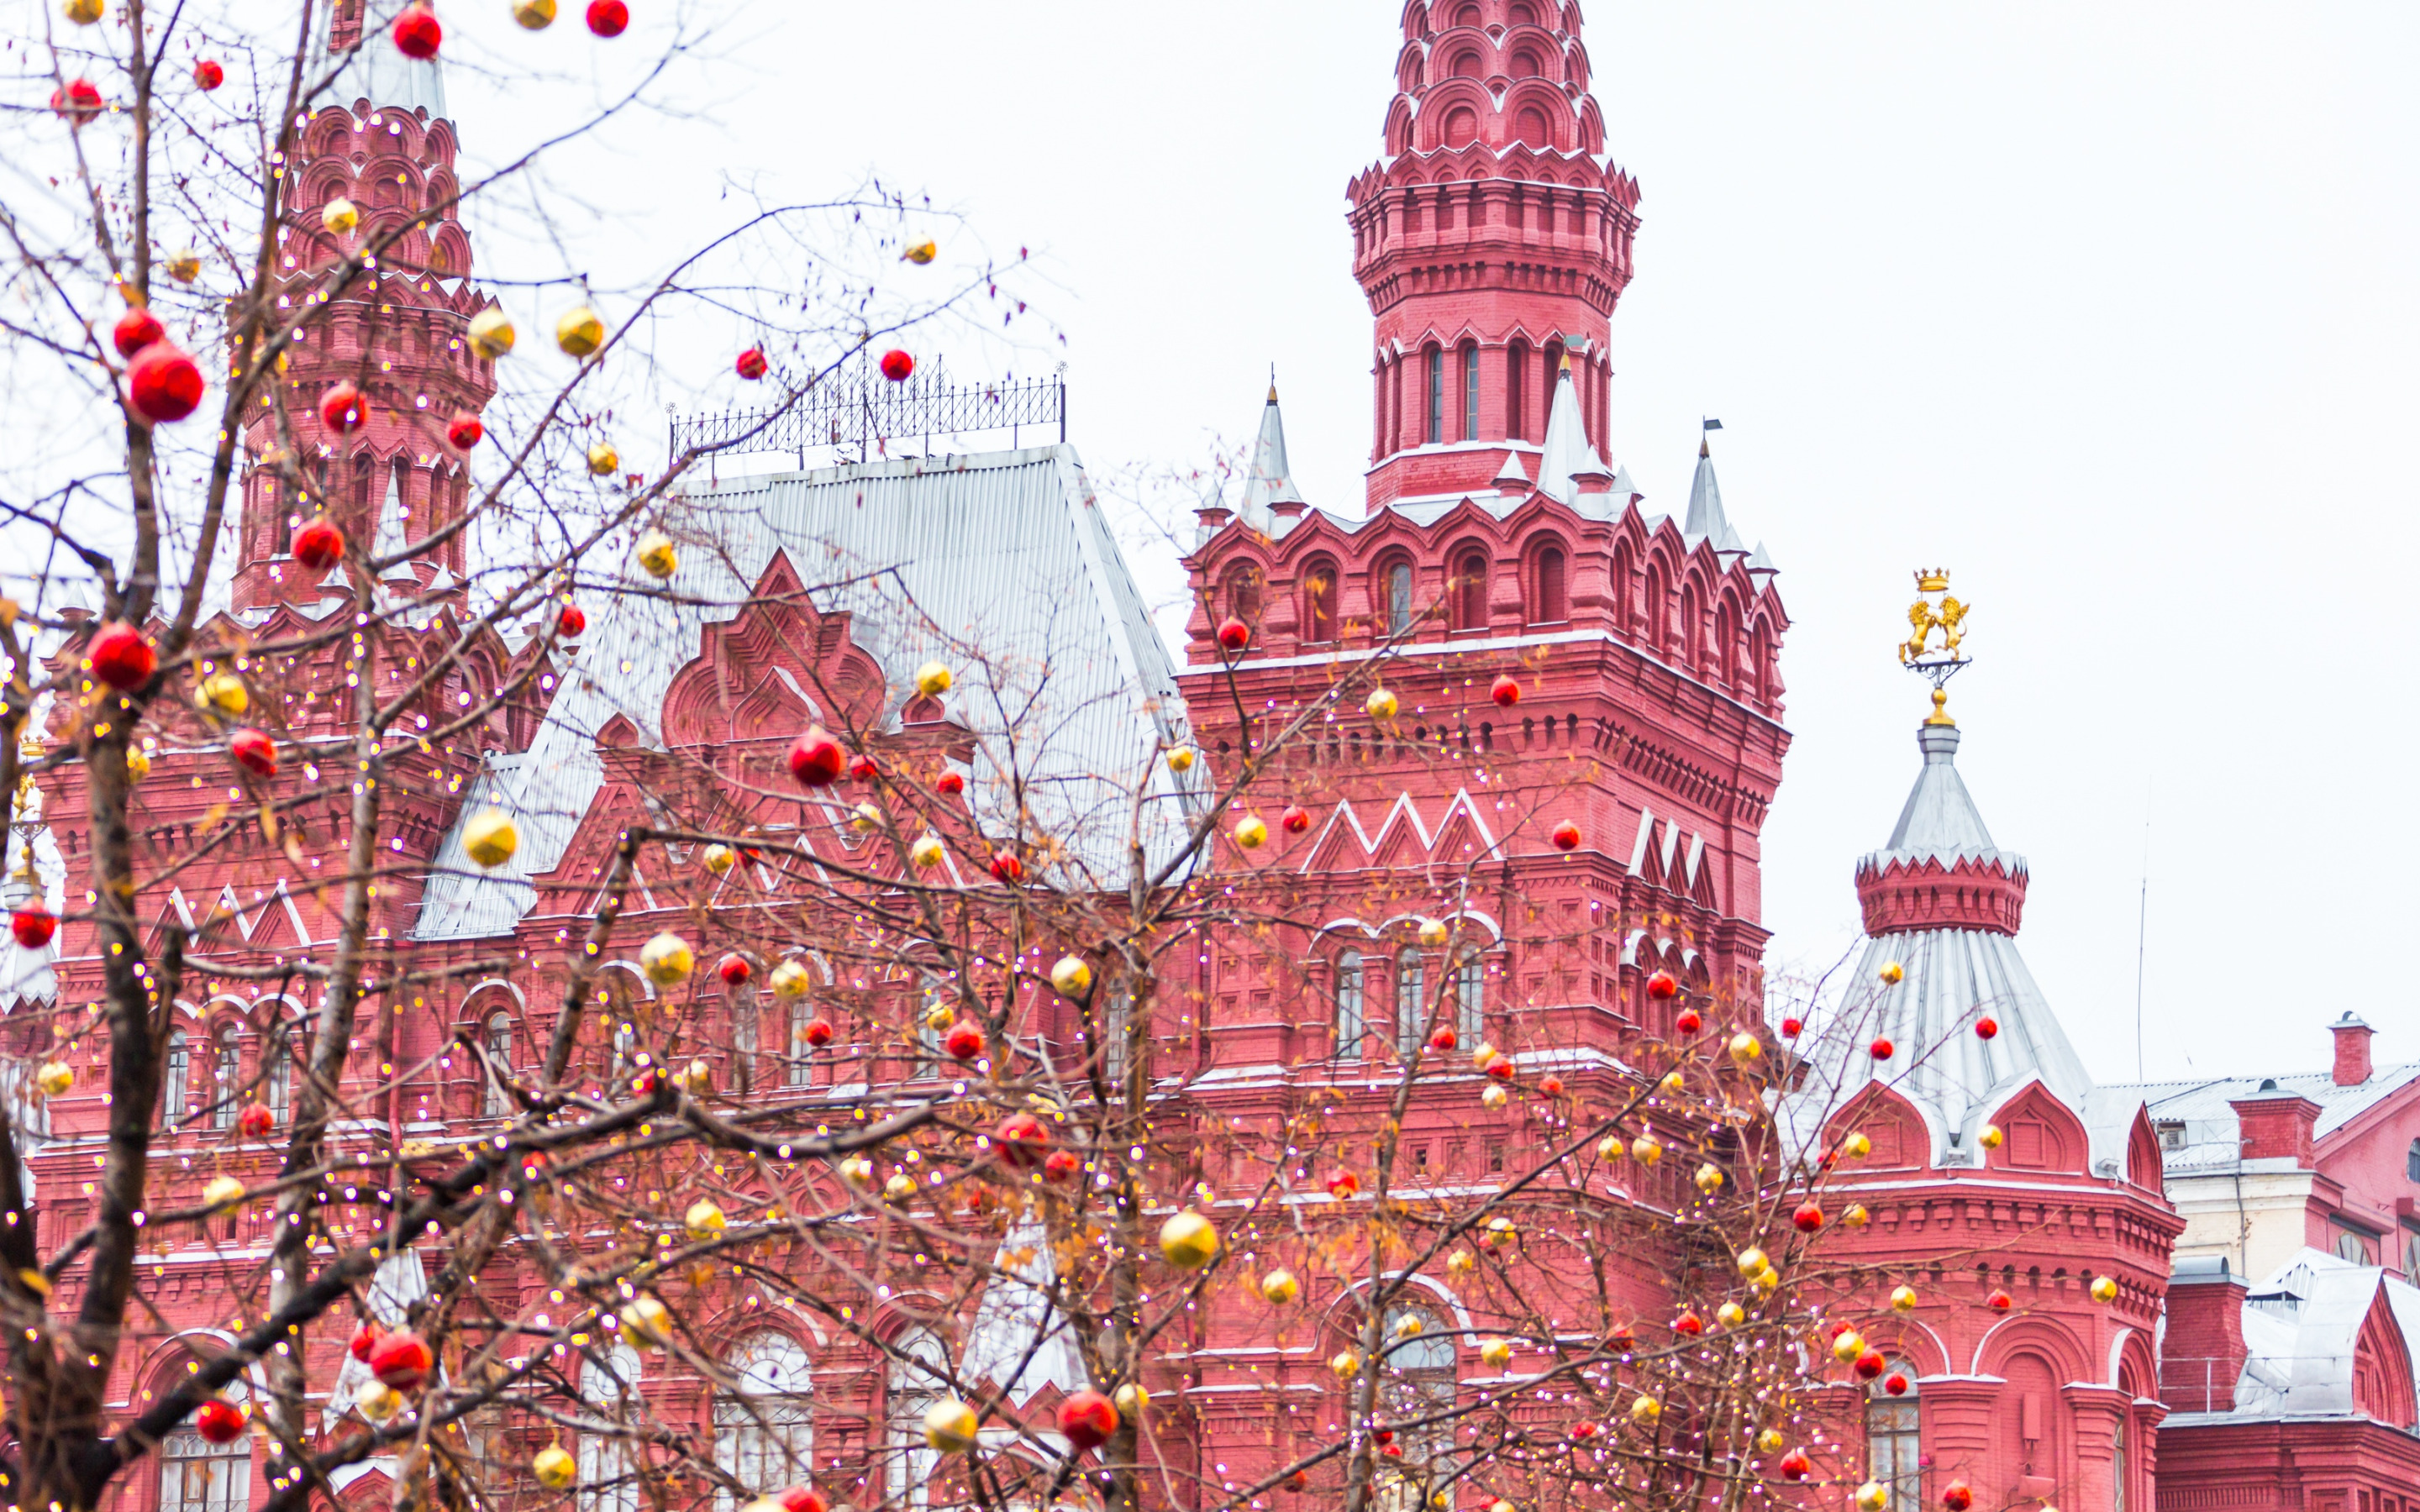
x=2109 y=309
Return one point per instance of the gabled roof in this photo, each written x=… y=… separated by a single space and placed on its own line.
x=2213 y=1137
x=1000 y=564
x=2301 y=1329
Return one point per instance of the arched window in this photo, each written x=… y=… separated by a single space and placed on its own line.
x=1894 y=1439
x=2411 y=1162
x=1727 y=642
x=1436 y=396
x=1522 y=16
x=2352 y=1246
x=2117 y=1469
x=1759 y=676
x=799 y=1064
x=1466 y=65
x=1517 y=417
x=226 y=1075
x=1470 y=592
x=1532 y=125
x=173 y=1077
x=1242 y=597
x=1117 y=1017
x=1319 y=601
x=1471 y=390
x=1470 y=998
x=1467 y=16
x=1655 y=609
x=277 y=1051
x=745 y=1035
x=1525 y=65
x=1419 y=1384
x=764 y=1433
x=917 y=1382
x=1350 y=1023
x=928 y=1034
x=609 y=1460
x=1411 y=1002
x=1552 y=352
x=496 y=1101
x=197 y=1475
x=1620 y=592
x=1692 y=637
x=1399 y=597
x=1550 y=603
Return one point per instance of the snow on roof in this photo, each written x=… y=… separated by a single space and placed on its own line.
x=2213 y=1137
x=2301 y=1329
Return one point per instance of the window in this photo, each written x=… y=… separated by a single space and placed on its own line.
x=2172 y=1134
x=1243 y=594
x=1319 y=601
x=1470 y=998
x=799 y=1066
x=609 y=1461
x=1436 y=397
x=764 y=1435
x=1471 y=390
x=1516 y=420
x=744 y=1035
x=1411 y=1002
x=1350 y=1025
x=277 y=1054
x=2353 y=1247
x=1470 y=592
x=2412 y=1258
x=1117 y=1014
x=917 y=1382
x=928 y=1033
x=1894 y=1438
x=197 y=1475
x=226 y=1075
x=1399 y=597
x=496 y=1101
x=2411 y=1162
x=171 y=1081
x=1419 y=1384
x=2117 y=1469
x=1549 y=605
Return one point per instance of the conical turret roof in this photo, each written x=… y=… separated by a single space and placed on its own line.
x=1271 y=480
x=1567 y=452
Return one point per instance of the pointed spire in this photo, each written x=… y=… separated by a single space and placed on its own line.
x=1760 y=565
x=1706 y=516
x=1512 y=477
x=1567 y=453
x=389 y=540
x=1271 y=481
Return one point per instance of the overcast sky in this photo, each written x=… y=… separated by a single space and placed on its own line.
x=2110 y=309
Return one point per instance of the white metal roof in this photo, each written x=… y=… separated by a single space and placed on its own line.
x=2213 y=1135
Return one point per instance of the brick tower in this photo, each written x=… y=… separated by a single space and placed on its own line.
x=1492 y=239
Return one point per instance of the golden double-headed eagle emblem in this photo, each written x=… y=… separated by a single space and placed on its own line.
x=1935 y=611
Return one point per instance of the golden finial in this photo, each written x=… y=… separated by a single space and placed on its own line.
x=1935 y=611
x=1940 y=708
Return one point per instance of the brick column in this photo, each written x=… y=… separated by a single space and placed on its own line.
x=2095 y=1411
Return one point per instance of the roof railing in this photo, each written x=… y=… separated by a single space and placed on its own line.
x=859 y=414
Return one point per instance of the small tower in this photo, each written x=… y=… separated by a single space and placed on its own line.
x=1493 y=239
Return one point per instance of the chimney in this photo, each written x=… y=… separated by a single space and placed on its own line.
x=2352 y=1050
x=2201 y=1354
x=2277 y=1125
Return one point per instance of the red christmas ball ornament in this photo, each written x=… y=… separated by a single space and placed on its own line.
x=208 y=75
x=1062 y=1165
x=1551 y=1085
x=734 y=970
x=32 y=927
x=1986 y=1027
x=860 y=768
x=218 y=1421
x=341 y=408
x=950 y=784
x=1688 y=1023
x=573 y=622
x=1024 y=1142
x=1007 y=868
x=121 y=658
x=820 y=1033
x=1808 y=1217
x=816 y=759
x=164 y=384
x=534 y=1165
x=1383 y=1435
x=1501 y=1068
x=1505 y=691
x=401 y=1361
x=1999 y=1301
x=1882 y=1048
x=1622 y=1338
x=1087 y=1420
x=1958 y=1496
x=320 y=544
x=1566 y=836
x=1792 y=1027
x=965 y=1040
x=803 y=1499
x=1342 y=1184
x=897 y=364
x=255 y=1122
x=1583 y=1431
x=137 y=328
x=1795 y=1465
x=1660 y=986
x=1444 y=1039
x=1233 y=634
x=1896 y=1383
x=365 y=1339
x=417 y=32
x=254 y=751
x=465 y=430
x=1870 y=1364
x=76 y=101
x=1689 y=1323
x=608 y=18
x=1299 y=1481
x=1392 y=1451
x=1296 y=820
x=752 y=365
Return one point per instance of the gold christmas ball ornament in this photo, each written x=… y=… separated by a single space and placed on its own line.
x=951 y=1426
x=1892 y=974
x=1904 y=1300
x=1754 y=1262
x=927 y=853
x=703 y=1220
x=1250 y=833
x=1131 y=1400
x=1850 y=1345
x=1856 y=1217
x=1673 y=1083
x=490 y=838
x=1766 y=1283
x=1611 y=1147
x=377 y=1403
x=667 y=960
x=1461 y=1262
x=857 y=1171
x=578 y=332
x=222 y=1191
x=138 y=766
x=185 y=265
x=55 y=1077
x=603 y=460
x=900 y=1187
x=224 y=693
x=720 y=859
x=1990 y=1137
x=1770 y=1441
x=1730 y=1315
x=340 y=215
x=554 y=1469
x=1646 y=1409
x=536 y=15
x=1180 y=759
x=1344 y=1365
x=1746 y=1049
x=920 y=252
x=866 y=818
x=1499 y=1232
x=1495 y=1098
x=648 y=1322
x=1070 y=976
x=1278 y=1287
x=697 y=1076
x=1709 y=1179
x=2104 y=1290
x=82 y=13
x=1380 y=704
x=1496 y=1354
x=1433 y=933
x=1187 y=1242
x=492 y=332
x=933 y=679
x=1409 y=1326
x=789 y=981
x=657 y=555
x=1872 y=1497
x=1856 y=1147
x=1646 y=1150
x=939 y=1015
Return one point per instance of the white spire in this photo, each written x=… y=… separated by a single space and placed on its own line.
x=389 y=538
x=1705 y=515
x=1567 y=451
x=1512 y=477
x=1762 y=561
x=1271 y=481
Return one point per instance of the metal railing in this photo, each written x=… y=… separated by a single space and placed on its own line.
x=857 y=413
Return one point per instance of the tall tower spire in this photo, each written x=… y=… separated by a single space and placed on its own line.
x=1492 y=239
